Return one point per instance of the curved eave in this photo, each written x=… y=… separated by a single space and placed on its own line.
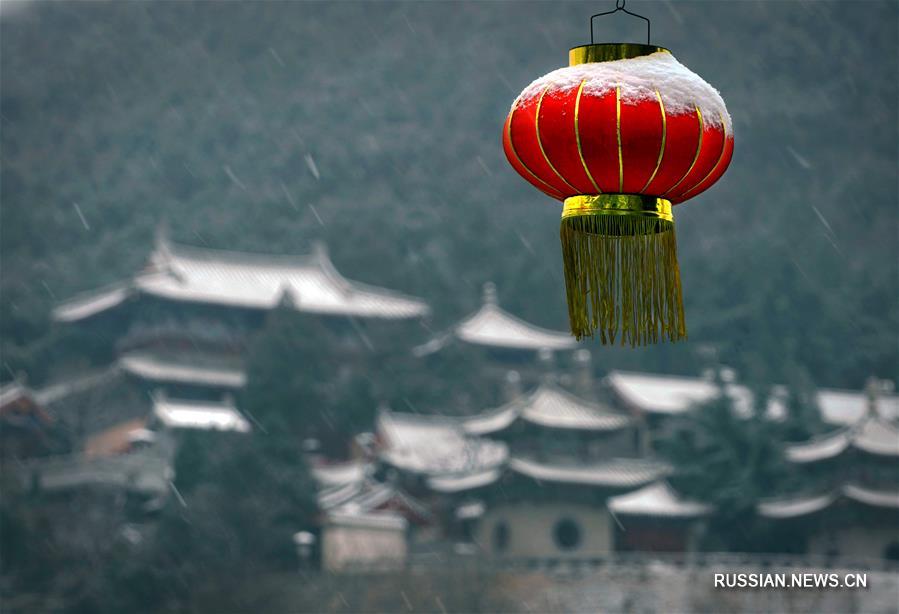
x=874 y=498
x=89 y=304
x=520 y=335
x=619 y=473
x=877 y=437
x=150 y=369
x=459 y=483
x=796 y=507
x=403 y=308
x=657 y=500
x=819 y=449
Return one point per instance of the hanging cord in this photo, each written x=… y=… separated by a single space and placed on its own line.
x=619 y=6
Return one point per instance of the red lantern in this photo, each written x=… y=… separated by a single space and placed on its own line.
x=620 y=135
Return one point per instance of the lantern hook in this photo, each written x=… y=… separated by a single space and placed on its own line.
x=619 y=6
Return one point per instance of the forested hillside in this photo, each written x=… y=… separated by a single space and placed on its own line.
x=376 y=126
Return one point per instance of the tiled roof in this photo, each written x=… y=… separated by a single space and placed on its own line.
x=617 y=473
x=464 y=481
x=819 y=448
x=433 y=445
x=804 y=505
x=669 y=394
x=796 y=506
x=160 y=369
x=873 y=497
x=88 y=304
x=873 y=435
x=877 y=436
x=204 y=415
x=254 y=281
x=657 y=499
x=491 y=326
x=340 y=474
x=549 y=406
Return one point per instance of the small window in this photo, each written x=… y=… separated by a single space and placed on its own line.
x=500 y=536
x=567 y=534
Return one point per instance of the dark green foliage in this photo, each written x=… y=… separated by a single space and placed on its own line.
x=731 y=462
x=213 y=116
x=803 y=415
x=300 y=380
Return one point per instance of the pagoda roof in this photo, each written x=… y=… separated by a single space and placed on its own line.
x=673 y=395
x=492 y=326
x=202 y=415
x=247 y=280
x=60 y=390
x=548 y=406
x=795 y=506
x=873 y=435
x=464 y=481
x=873 y=497
x=877 y=436
x=88 y=304
x=433 y=445
x=155 y=368
x=340 y=474
x=369 y=496
x=613 y=473
x=657 y=499
x=819 y=448
x=803 y=505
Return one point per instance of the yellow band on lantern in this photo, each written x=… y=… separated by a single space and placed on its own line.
x=635 y=205
x=608 y=52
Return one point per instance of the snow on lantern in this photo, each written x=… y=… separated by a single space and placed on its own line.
x=620 y=136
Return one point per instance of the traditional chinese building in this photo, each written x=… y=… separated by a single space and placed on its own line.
x=183 y=322
x=27 y=429
x=505 y=336
x=847 y=501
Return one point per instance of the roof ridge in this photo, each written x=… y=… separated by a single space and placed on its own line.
x=202 y=252
x=505 y=313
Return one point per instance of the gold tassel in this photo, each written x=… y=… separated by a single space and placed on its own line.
x=621 y=273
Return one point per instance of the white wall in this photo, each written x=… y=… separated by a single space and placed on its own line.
x=531 y=528
x=345 y=547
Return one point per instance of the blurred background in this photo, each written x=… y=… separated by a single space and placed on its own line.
x=280 y=328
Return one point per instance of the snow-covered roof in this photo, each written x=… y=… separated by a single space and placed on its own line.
x=617 y=473
x=376 y=520
x=470 y=509
x=548 y=406
x=91 y=303
x=672 y=394
x=13 y=392
x=464 y=481
x=433 y=445
x=819 y=448
x=62 y=389
x=870 y=496
x=877 y=436
x=340 y=473
x=795 y=506
x=804 y=505
x=492 y=326
x=657 y=499
x=204 y=415
x=253 y=281
x=368 y=496
x=159 y=369
x=846 y=407
x=873 y=435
